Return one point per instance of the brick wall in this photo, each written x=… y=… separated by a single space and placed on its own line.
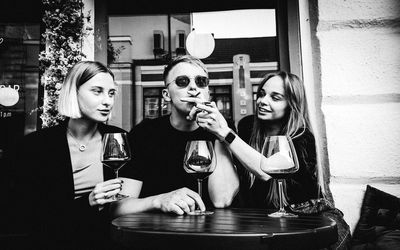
x=359 y=73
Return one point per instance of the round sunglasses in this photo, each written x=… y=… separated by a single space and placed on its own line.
x=183 y=81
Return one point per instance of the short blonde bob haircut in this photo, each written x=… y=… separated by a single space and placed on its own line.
x=80 y=73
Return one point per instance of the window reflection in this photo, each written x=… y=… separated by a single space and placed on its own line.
x=19 y=81
x=248 y=35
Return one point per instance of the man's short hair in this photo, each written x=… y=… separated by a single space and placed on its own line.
x=186 y=59
x=80 y=73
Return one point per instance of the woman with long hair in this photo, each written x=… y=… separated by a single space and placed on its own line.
x=277 y=90
x=281 y=109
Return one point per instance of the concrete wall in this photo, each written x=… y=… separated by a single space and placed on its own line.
x=357 y=63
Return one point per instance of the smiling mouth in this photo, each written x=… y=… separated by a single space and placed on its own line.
x=263 y=110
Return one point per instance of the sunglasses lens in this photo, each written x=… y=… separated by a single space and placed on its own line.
x=182 y=81
x=201 y=81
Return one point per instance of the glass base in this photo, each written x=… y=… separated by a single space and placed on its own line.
x=199 y=212
x=282 y=214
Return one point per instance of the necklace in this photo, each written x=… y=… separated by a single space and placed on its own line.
x=81 y=146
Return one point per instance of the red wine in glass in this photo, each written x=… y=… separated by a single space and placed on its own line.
x=115 y=154
x=115 y=164
x=199 y=162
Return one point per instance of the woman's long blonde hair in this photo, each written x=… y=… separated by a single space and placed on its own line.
x=295 y=122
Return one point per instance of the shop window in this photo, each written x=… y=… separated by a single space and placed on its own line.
x=155 y=106
x=19 y=82
x=262 y=32
x=222 y=97
x=19 y=94
x=153 y=103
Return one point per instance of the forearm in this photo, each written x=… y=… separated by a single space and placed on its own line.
x=223 y=184
x=179 y=201
x=213 y=121
x=249 y=157
x=133 y=205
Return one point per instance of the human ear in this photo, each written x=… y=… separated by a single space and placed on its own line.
x=166 y=96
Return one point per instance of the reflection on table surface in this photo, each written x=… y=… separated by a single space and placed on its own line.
x=225 y=229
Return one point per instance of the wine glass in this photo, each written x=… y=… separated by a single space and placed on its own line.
x=115 y=154
x=199 y=162
x=279 y=160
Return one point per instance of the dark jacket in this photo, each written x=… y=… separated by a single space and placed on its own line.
x=46 y=206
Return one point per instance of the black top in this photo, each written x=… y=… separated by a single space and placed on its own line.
x=157 y=157
x=301 y=186
x=46 y=207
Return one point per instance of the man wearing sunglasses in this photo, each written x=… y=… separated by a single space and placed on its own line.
x=158 y=146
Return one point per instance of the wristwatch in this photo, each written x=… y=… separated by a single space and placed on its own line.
x=229 y=137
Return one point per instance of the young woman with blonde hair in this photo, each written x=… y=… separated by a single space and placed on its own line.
x=64 y=189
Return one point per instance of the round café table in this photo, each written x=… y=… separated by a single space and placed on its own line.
x=225 y=229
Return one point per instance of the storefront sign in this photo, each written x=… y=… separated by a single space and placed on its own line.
x=5 y=114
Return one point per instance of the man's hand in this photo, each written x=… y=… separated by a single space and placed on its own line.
x=179 y=201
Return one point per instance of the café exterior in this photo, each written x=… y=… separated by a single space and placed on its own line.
x=351 y=76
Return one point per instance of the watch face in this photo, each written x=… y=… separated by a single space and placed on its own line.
x=230 y=137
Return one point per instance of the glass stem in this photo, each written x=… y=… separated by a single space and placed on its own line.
x=116 y=174
x=200 y=186
x=280 y=190
x=200 y=190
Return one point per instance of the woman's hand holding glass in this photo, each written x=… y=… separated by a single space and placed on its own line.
x=104 y=192
x=208 y=117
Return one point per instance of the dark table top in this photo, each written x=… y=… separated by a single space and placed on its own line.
x=225 y=229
